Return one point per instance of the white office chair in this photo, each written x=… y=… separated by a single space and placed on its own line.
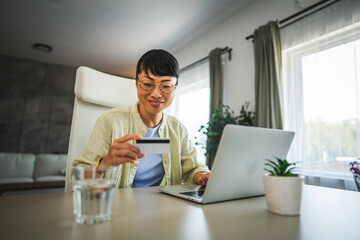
x=95 y=92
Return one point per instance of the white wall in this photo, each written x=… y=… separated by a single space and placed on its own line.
x=239 y=72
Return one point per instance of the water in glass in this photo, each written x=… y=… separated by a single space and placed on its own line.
x=93 y=200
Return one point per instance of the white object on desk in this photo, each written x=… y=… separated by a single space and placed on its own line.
x=238 y=168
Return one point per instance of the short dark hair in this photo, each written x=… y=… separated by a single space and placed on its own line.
x=159 y=62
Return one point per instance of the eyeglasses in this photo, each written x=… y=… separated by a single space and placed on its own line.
x=164 y=87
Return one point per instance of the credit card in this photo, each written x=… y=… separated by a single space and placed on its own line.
x=153 y=145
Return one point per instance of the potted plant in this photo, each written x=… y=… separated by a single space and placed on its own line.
x=355 y=169
x=218 y=120
x=282 y=187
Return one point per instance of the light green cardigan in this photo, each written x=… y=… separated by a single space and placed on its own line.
x=180 y=165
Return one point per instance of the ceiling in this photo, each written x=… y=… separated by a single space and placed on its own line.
x=108 y=35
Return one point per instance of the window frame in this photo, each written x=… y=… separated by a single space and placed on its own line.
x=202 y=82
x=296 y=53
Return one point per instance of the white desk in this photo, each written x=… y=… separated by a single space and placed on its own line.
x=144 y=213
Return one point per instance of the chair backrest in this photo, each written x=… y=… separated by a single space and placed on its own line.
x=95 y=92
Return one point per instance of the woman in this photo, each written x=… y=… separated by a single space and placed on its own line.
x=113 y=136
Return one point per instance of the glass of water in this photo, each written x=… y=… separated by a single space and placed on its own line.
x=93 y=193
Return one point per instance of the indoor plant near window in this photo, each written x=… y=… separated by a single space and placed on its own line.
x=222 y=116
x=282 y=187
x=355 y=169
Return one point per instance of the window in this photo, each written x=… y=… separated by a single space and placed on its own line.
x=322 y=97
x=192 y=102
x=331 y=121
x=331 y=107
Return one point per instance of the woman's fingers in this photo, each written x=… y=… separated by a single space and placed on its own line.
x=121 y=146
x=126 y=153
x=122 y=156
x=127 y=138
x=123 y=159
x=121 y=151
x=204 y=179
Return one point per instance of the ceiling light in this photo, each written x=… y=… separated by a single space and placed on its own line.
x=42 y=47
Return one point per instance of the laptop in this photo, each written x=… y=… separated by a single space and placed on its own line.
x=238 y=167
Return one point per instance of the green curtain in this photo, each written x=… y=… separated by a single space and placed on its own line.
x=216 y=79
x=216 y=88
x=267 y=51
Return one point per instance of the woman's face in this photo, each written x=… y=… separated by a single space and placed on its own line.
x=154 y=101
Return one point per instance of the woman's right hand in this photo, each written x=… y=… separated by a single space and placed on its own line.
x=122 y=152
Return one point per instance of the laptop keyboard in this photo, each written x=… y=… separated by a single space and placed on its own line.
x=195 y=194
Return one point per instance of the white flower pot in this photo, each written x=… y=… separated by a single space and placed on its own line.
x=283 y=194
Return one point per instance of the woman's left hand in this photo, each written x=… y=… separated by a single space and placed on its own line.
x=201 y=178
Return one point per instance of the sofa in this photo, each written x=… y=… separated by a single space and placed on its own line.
x=22 y=173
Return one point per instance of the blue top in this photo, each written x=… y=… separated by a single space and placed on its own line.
x=150 y=170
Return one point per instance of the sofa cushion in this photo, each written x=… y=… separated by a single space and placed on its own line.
x=16 y=165
x=49 y=178
x=49 y=164
x=16 y=180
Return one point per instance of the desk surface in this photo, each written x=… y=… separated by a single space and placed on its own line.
x=144 y=213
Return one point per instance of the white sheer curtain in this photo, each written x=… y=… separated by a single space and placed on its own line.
x=192 y=101
x=321 y=83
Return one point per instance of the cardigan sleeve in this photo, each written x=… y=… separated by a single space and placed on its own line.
x=189 y=162
x=98 y=145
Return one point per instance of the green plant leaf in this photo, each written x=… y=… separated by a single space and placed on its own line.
x=221 y=116
x=281 y=167
x=289 y=171
x=269 y=171
x=273 y=164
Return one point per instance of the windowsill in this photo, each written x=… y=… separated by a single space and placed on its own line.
x=333 y=175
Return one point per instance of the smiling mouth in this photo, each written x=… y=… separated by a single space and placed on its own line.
x=155 y=103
